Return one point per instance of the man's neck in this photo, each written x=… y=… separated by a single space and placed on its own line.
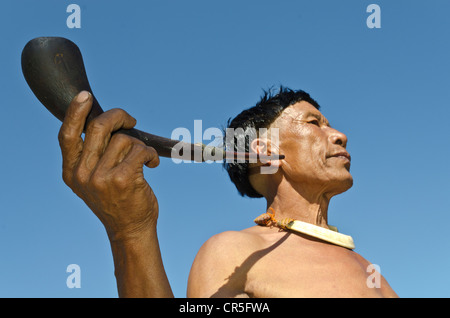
x=299 y=204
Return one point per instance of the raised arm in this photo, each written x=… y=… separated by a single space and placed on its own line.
x=106 y=171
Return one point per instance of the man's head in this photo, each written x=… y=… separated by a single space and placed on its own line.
x=309 y=144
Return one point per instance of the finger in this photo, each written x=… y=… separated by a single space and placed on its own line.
x=115 y=152
x=70 y=132
x=140 y=155
x=98 y=135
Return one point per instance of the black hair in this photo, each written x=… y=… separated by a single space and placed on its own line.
x=262 y=115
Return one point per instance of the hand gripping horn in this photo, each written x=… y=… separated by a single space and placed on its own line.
x=53 y=68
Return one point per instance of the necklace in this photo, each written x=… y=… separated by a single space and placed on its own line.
x=330 y=235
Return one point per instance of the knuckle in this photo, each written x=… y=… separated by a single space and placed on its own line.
x=98 y=181
x=120 y=180
x=80 y=177
x=138 y=147
x=119 y=112
x=64 y=136
x=142 y=151
x=119 y=115
x=122 y=117
x=121 y=139
x=95 y=126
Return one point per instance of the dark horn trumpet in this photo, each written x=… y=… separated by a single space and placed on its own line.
x=54 y=69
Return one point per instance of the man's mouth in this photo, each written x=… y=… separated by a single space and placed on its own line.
x=342 y=155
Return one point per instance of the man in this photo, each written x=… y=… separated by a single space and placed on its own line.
x=261 y=261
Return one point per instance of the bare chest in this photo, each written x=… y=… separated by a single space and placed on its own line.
x=317 y=270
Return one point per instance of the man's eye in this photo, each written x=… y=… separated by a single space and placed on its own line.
x=314 y=122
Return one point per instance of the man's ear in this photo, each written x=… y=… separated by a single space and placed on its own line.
x=263 y=146
x=259 y=146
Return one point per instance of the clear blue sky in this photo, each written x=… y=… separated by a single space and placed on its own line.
x=169 y=63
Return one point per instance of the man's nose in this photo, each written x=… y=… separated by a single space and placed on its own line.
x=338 y=138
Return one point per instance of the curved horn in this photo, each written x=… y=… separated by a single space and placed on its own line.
x=54 y=69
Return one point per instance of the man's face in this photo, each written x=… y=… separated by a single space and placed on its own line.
x=315 y=152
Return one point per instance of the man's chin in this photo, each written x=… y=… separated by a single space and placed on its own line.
x=341 y=185
x=347 y=183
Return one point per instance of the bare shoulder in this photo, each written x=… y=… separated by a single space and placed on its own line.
x=229 y=239
x=375 y=279
x=214 y=272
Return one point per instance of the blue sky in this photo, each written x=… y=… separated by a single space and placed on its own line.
x=169 y=63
